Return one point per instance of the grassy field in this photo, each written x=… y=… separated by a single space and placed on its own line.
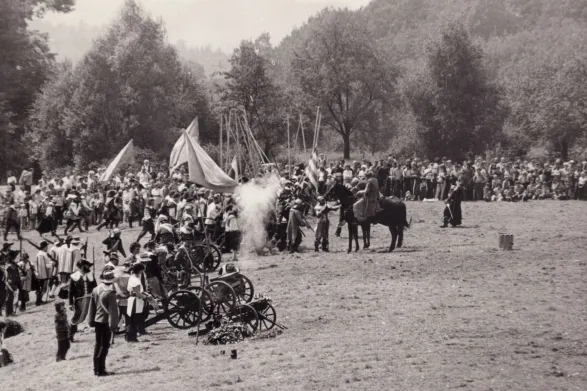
x=448 y=311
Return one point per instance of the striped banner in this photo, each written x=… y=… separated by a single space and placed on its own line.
x=312 y=169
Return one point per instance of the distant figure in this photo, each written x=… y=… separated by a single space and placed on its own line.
x=26 y=179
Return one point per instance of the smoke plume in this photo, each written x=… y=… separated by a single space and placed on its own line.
x=256 y=199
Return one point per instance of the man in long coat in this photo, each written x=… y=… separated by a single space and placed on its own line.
x=370 y=196
x=294 y=224
x=453 y=214
x=81 y=284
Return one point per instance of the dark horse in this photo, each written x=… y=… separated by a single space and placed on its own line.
x=393 y=215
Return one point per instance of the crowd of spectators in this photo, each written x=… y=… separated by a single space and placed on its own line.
x=498 y=179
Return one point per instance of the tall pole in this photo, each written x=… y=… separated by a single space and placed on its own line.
x=303 y=136
x=318 y=130
x=221 y=161
x=227 y=145
x=288 y=149
x=238 y=145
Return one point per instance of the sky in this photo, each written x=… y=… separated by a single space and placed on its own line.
x=218 y=23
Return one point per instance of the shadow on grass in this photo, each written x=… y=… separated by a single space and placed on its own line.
x=139 y=371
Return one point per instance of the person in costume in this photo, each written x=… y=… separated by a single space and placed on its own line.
x=72 y=255
x=110 y=216
x=165 y=233
x=137 y=301
x=103 y=317
x=122 y=274
x=74 y=215
x=147 y=222
x=11 y=221
x=43 y=268
x=295 y=222
x=13 y=282
x=81 y=284
x=370 y=196
x=282 y=216
x=452 y=211
x=114 y=242
x=27 y=276
x=321 y=236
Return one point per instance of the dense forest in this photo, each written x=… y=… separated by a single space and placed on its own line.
x=433 y=77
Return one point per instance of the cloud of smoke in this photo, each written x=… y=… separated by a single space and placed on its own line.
x=256 y=200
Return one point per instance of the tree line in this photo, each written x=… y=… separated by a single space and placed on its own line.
x=434 y=78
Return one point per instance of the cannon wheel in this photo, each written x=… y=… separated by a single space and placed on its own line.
x=244 y=289
x=183 y=309
x=267 y=318
x=246 y=315
x=223 y=295
x=206 y=301
x=206 y=258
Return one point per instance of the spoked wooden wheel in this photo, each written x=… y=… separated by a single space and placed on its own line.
x=267 y=318
x=195 y=278
x=246 y=315
x=206 y=258
x=168 y=281
x=244 y=289
x=183 y=309
x=223 y=295
x=206 y=301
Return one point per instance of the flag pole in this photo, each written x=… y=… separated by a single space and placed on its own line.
x=303 y=136
x=221 y=161
x=315 y=128
x=238 y=144
x=318 y=131
x=227 y=144
x=288 y=149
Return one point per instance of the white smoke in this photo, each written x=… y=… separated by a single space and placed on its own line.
x=256 y=199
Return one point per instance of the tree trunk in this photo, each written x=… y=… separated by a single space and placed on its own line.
x=564 y=146
x=346 y=138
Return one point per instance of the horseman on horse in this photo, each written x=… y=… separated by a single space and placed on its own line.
x=388 y=211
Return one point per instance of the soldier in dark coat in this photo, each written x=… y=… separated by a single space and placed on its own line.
x=81 y=284
x=452 y=212
x=295 y=222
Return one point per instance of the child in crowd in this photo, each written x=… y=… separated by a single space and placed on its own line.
x=487 y=193
x=23 y=215
x=62 y=330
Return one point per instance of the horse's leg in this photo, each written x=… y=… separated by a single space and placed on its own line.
x=356 y=236
x=368 y=228
x=350 y=229
x=393 y=232
x=400 y=236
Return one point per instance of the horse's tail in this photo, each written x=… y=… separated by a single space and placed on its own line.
x=408 y=224
x=404 y=217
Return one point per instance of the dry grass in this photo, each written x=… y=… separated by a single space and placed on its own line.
x=447 y=311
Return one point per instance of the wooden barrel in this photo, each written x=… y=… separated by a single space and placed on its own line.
x=506 y=241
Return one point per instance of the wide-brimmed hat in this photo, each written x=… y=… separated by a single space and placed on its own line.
x=107 y=276
x=6 y=246
x=76 y=240
x=82 y=262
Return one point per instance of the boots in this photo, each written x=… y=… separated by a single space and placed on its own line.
x=316 y=245
x=325 y=245
x=337 y=232
x=444 y=223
